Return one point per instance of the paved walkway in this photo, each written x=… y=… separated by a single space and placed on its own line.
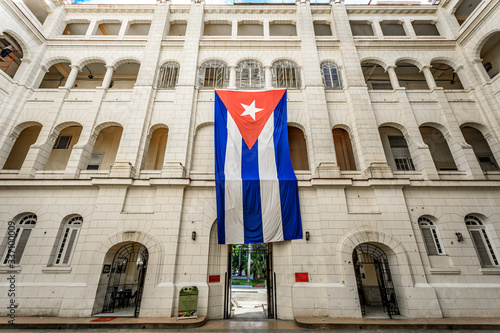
x=311 y=324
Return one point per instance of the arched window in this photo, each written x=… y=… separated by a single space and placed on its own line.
x=430 y=236
x=343 y=149
x=105 y=148
x=438 y=146
x=19 y=238
x=298 y=149
x=156 y=149
x=213 y=74
x=21 y=147
x=331 y=75
x=169 y=75
x=250 y=74
x=286 y=74
x=481 y=241
x=68 y=241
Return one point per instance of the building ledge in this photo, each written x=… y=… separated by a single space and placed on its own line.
x=490 y=270
x=445 y=271
x=8 y=270
x=57 y=270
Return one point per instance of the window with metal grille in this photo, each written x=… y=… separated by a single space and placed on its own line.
x=286 y=74
x=20 y=240
x=331 y=75
x=63 y=142
x=169 y=75
x=401 y=154
x=68 y=241
x=430 y=236
x=213 y=74
x=250 y=74
x=484 y=249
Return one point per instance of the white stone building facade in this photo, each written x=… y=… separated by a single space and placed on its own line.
x=107 y=140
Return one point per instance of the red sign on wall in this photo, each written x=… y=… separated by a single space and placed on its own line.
x=213 y=278
x=301 y=277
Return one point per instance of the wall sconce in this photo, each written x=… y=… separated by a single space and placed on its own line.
x=307 y=235
x=193 y=235
x=460 y=238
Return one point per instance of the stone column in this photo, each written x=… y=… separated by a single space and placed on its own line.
x=269 y=77
x=429 y=78
x=70 y=82
x=393 y=77
x=108 y=76
x=232 y=77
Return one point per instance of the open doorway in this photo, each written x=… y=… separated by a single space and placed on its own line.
x=250 y=282
x=122 y=281
x=377 y=296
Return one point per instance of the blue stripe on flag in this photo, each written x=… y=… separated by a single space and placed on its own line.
x=220 y=143
x=252 y=212
x=289 y=191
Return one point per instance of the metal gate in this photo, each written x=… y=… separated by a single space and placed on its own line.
x=129 y=259
x=369 y=254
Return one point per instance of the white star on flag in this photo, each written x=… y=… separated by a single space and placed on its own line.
x=250 y=110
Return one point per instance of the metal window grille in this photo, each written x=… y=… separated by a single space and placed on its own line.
x=331 y=75
x=404 y=164
x=213 y=74
x=401 y=154
x=286 y=74
x=169 y=75
x=68 y=240
x=21 y=237
x=250 y=74
x=431 y=237
x=484 y=249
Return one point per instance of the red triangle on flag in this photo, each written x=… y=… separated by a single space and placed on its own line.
x=250 y=110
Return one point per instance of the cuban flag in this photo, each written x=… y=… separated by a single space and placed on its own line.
x=256 y=188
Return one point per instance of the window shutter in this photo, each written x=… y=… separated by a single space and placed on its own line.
x=21 y=245
x=429 y=242
x=481 y=249
x=71 y=244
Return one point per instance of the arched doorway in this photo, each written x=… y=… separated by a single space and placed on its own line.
x=121 y=294
x=375 y=284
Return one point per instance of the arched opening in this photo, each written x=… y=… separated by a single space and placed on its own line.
x=122 y=281
x=20 y=149
x=213 y=74
x=490 y=55
x=298 y=149
x=56 y=76
x=343 y=149
x=376 y=77
x=377 y=296
x=203 y=150
x=61 y=151
x=465 y=9
x=481 y=148
x=286 y=74
x=396 y=149
x=445 y=76
x=156 y=149
x=125 y=76
x=90 y=76
x=438 y=146
x=250 y=74
x=11 y=54
x=105 y=148
x=410 y=76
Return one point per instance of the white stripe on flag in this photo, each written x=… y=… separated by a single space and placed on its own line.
x=233 y=185
x=272 y=225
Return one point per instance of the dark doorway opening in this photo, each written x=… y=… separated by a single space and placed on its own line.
x=126 y=281
x=250 y=289
x=377 y=296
